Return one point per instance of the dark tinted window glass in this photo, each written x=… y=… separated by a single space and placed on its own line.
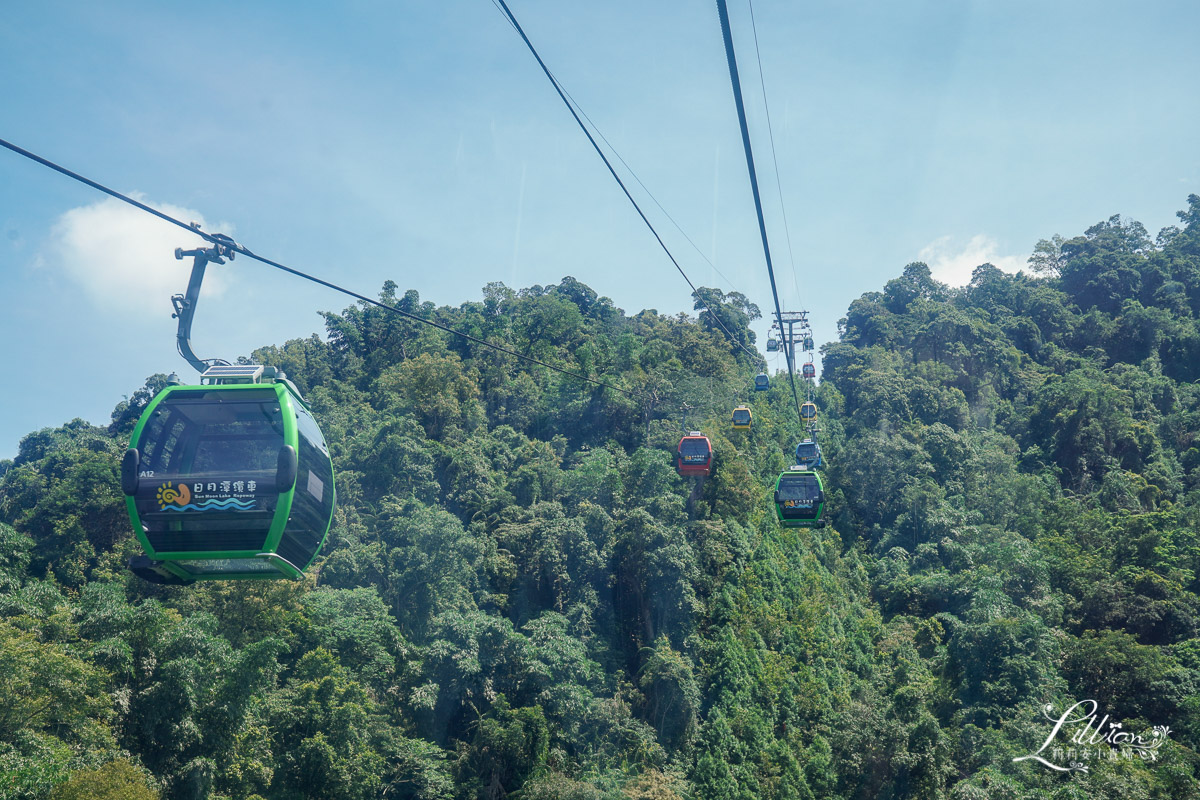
x=312 y=504
x=208 y=471
x=213 y=432
x=308 y=428
x=799 y=488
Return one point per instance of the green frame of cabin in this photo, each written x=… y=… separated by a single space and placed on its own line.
x=818 y=519
x=283 y=508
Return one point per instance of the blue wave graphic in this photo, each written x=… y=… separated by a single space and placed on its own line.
x=231 y=504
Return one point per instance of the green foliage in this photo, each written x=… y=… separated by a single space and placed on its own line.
x=521 y=598
x=116 y=780
x=508 y=745
x=326 y=731
x=16 y=551
x=31 y=765
x=63 y=492
x=672 y=696
x=355 y=625
x=47 y=689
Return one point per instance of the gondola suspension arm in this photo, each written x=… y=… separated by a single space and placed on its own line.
x=185 y=304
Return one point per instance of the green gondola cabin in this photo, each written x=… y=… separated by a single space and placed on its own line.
x=800 y=499
x=230 y=479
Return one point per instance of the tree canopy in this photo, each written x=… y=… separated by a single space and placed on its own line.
x=521 y=598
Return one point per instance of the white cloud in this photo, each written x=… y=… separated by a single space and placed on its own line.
x=123 y=257
x=952 y=263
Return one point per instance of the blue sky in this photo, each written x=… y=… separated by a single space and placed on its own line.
x=419 y=142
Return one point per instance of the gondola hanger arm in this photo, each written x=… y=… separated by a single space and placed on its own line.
x=223 y=247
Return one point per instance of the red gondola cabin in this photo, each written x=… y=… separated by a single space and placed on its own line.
x=694 y=456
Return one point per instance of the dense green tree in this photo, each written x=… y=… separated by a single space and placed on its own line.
x=327 y=733
x=116 y=780
x=727 y=315
x=49 y=691
x=519 y=597
x=63 y=492
x=508 y=745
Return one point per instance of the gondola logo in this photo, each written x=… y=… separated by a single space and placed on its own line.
x=172 y=498
x=169 y=495
x=1085 y=739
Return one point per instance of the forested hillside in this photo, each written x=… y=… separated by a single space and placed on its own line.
x=520 y=598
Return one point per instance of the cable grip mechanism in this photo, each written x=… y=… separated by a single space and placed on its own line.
x=223 y=247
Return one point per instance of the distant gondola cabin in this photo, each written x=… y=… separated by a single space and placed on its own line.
x=761 y=382
x=742 y=418
x=808 y=454
x=809 y=371
x=228 y=479
x=772 y=345
x=808 y=411
x=799 y=499
x=694 y=456
x=808 y=343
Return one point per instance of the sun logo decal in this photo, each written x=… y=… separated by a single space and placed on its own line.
x=168 y=494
